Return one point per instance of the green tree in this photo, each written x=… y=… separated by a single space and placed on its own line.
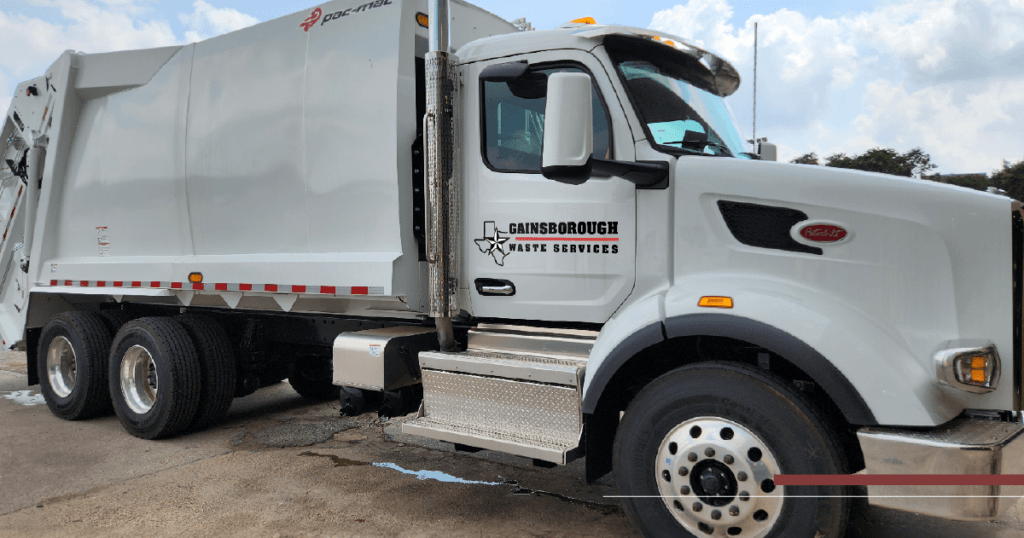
x=807 y=158
x=979 y=182
x=1010 y=179
x=884 y=160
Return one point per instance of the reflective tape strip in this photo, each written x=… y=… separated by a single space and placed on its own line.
x=200 y=286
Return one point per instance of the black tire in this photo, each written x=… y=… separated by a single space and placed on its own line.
x=175 y=362
x=312 y=377
x=114 y=319
x=89 y=340
x=791 y=429
x=217 y=367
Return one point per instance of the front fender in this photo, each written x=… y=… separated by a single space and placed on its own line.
x=865 y=369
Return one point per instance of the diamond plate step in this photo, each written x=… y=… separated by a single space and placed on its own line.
x=514 y=400
x=558 y=371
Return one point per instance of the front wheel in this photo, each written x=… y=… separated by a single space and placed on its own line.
x=698 y=449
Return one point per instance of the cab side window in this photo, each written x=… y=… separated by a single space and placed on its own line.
x=514 y=126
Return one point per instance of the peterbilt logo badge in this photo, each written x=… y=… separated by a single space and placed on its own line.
x=823 y=233
x=311 y=20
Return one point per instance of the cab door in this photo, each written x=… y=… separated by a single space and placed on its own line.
x=536 y=249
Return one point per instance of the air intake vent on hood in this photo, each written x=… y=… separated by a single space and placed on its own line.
x=764 y=226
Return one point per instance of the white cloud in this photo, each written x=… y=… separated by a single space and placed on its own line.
x=944 y=75
x=208 y=21
x=30 y=45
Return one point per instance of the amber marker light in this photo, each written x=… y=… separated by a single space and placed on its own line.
x=195 y=278
x=584 y=20
x=715 y=302
x=423 y=20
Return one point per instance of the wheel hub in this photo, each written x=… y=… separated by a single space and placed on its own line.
x=139 y=381
x=713 y=482
x=717 y=479
x=61 y=367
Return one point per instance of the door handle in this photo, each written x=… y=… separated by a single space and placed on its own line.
x=494 y=286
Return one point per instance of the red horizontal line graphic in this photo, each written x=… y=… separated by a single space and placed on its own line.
x=220 y=287
x=360 y=290
x=567 y=239
x=899 y=479
x=327 y=289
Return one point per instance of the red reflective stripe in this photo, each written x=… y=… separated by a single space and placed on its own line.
x=136 y=284
x=53 y=282
x=67 y=283
x=83 y=284
x=154 y=284
x=101 y=283
x=327 y=289
x=360 y=290
x=899 y=480
x=118 y=283
x=176 y=285
x=220 y=287
x=198 y=286
x=298 y=289
x=270 y=287
x=245 y=287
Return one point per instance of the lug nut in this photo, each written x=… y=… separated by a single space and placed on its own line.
x=685 y=490
x=744 y=496
x=692 y=456
x=697 y=507
x=683 y=471
x=710 y=452
x=715 y=514
x=728 y=459
x=734 y=510
x=741 y=476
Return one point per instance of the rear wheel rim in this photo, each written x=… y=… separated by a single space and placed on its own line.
x=717 y=479
x=139 y=381
x=61 y=367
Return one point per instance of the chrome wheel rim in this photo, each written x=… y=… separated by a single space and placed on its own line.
x=717 y=479
x=139 y=381
x=61 y=367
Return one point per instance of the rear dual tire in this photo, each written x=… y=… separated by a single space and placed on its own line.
x=72 y=365
x=155 y=378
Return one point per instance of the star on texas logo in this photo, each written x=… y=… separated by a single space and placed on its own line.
x=493 y=243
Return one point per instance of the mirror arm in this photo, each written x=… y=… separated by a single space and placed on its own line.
x=643 y=174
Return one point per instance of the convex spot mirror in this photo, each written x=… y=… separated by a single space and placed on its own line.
x=523 y=83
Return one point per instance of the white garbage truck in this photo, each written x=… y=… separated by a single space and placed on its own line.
x=553 y=244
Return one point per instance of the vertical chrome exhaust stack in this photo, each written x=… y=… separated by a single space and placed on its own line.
x=442 y=141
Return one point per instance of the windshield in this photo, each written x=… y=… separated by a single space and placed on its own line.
x=667 y=88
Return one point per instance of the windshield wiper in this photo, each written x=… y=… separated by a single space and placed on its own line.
x=700 y=145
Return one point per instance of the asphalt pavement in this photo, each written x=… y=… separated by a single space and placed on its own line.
x=281 y=466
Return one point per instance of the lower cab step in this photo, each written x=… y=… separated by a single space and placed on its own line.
x=526 y=405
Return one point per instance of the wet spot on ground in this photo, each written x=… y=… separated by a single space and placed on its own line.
x=338 y=461
x=293 y=434
x=25 y=397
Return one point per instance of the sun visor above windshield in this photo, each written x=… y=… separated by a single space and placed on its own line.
x=722 y=77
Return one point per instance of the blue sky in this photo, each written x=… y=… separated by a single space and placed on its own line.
x=943 y=75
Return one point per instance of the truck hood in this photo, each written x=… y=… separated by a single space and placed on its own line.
x=924 y=261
